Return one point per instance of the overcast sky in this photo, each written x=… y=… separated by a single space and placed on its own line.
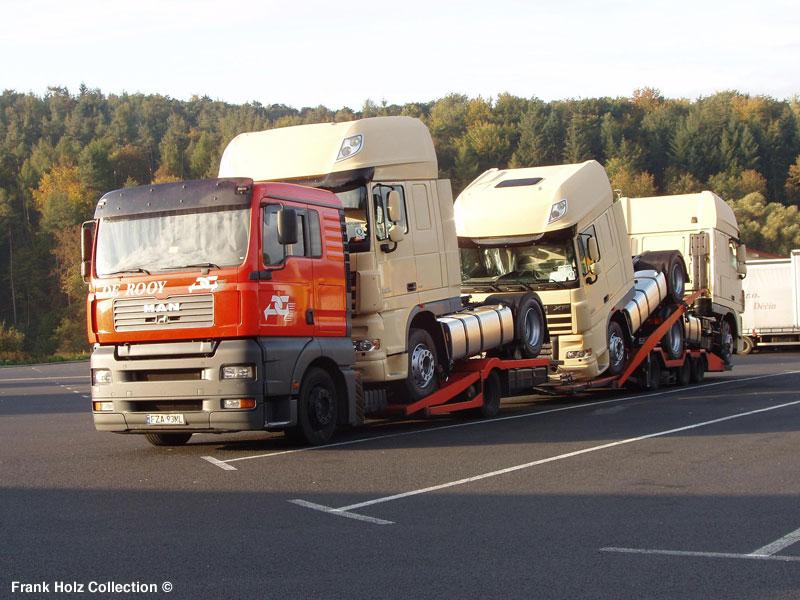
x=339 y=53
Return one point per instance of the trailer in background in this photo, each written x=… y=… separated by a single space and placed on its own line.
x=772 y=303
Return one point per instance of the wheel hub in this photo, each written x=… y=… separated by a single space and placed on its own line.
x=422 y=365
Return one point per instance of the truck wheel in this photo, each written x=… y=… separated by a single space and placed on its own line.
x=422 y=362
x=491 y=396
x=653 y=374
x=529 y=326
x=684 y=372
x=167 y=439
x=725 y=343
x=748 y=345
x=616 y=349
x=676 y=277
x=673 y=340
x=698 y=369
x=316 y=408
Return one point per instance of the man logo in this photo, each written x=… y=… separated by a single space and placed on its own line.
x=162 y=307
x=281 y=306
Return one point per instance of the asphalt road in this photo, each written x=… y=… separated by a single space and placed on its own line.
x=684 y=493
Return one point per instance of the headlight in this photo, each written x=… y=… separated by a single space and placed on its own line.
x=103 y=406
x=238 y=372
x=350 y=147
x=579 y=353
x=101 y=376
x=558 y=210
x=366 y=345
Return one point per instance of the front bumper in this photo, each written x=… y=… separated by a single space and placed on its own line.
x=171 y=383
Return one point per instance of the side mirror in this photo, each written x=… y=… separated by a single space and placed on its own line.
x=287 y=226
x=395 y=208
x=741 y=259
x=87 y=244
x=592 y=249
x=396 y=234
x=741 y=269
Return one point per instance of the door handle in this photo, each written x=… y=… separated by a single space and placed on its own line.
x=310 y=316
x=411 y=287
x=605 y=298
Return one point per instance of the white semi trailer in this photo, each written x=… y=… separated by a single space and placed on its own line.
x=772 y=303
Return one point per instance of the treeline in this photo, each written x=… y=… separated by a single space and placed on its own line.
x=59 y=153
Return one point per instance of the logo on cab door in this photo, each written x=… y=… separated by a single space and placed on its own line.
x=280 y=306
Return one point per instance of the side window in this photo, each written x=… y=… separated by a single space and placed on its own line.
x=380 y=196
x=583 y=248
x=314 y=234
x=272 y=250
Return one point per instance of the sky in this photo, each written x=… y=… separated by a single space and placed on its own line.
x=340 y=53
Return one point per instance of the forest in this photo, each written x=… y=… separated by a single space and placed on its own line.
x=61 y=151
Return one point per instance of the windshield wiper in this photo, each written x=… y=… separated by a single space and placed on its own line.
x=131 y=270
x=206 y=265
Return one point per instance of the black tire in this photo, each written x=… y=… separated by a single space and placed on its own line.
x=617 y=352
x=673 y=342
x=654 y=374
x=683 y=373
x=317 y=408
x=492 y=392
x=748 y=345
x=676 y=278
x=725 y=342
x=698 y=366
x=167 y=439
x=423 y=365
x=529 y=326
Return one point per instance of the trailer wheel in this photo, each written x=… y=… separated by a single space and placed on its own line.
x=698 y=369
x=422 y=365
x=167 y=439
x=529 y=326
x=725 y=343
x=683 y=373
x=316 y=408
x=748 y=345
x=674 y=341
x=653 y=374
x=491 y=396
x=617 y=352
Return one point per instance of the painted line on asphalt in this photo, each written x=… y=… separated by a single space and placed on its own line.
x=340 y=512
x=528 y=465
x=4 y=380
x=535 y=413
x=218 y=463
x=778 y=545
x=702 y=554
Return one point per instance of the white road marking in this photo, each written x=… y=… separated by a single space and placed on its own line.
x=339 y=512
x=778 y=545
x=86 y=377
x=702 y=554
x=219 y=463
x=566 y=455
x=507 y=418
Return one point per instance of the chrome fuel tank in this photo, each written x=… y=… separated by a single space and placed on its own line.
x=474 y=331
x=693 y=330
x=649 y=290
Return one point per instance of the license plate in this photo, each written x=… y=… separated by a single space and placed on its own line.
x=165 y=419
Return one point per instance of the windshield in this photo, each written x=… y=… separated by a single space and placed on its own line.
x=356 y=218
x=536 y=263
x=215 y=237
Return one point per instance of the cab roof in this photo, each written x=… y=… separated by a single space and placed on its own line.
x=682 y=212
x=509 y=202
x=399 y=144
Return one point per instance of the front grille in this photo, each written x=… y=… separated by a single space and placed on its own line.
x=559 y=318
x=166 y=375
x=157 y=406
x=176 y=312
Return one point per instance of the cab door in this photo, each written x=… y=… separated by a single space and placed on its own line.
x=592 y=272
x=285 y=288
x=396 y=261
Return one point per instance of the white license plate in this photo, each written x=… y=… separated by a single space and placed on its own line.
x=165 y=419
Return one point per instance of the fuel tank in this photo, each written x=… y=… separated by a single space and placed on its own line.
x=650 y=289
x=474 y=331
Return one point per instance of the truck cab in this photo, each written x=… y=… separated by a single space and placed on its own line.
x=704 y=228
x=557 y=231
x=211 y=303
x=403 y=253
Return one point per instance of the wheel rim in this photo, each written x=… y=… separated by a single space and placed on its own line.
x=422 y=365
x=726 y=339
x=678 y=282
x=320 y=407
x=675 y=342
x=533 y=329
x=616 y=348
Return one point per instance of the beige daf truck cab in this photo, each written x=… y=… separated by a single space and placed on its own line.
x=703 y=227
x=398 y=225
